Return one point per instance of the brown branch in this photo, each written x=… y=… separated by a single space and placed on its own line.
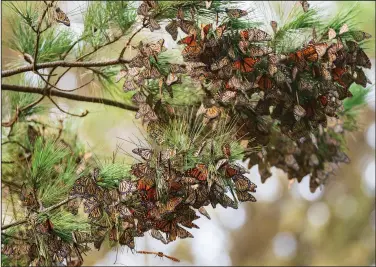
x=18 y=112
x=41 y=91
x=53 y=207
x=13 y=224
x=62 y=63
x=130 y=39
x=38 y=37
x=83 y=114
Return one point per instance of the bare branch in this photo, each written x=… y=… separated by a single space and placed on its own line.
x=83 y=114
x=62 y=63
x=41 y=91
x=53 y=207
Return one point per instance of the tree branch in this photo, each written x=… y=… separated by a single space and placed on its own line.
x=53 y=207
x=62 y=63
x=41 y=91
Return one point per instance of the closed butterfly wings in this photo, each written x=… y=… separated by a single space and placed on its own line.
x=61 y=17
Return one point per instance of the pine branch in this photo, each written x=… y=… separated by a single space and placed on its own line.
x=62 y=63
x=41 y=91
x=51 y=208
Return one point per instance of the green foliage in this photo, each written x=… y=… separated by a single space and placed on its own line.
x=359 y=97
x=112 y=173
x=64 y=223
x=291 y=34
x=24 y=11
x=53 y=42
x=344 y=16
x=103 y=18
x=57 y=189
x=47 y=156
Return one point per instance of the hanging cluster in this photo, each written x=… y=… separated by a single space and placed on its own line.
x=271 y=108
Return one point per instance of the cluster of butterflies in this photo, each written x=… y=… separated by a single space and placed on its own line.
x=299 y=159
x=56 y=251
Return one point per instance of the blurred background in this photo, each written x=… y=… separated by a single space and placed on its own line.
x=333 y=226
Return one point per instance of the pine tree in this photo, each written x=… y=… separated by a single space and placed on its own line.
x=282 y=94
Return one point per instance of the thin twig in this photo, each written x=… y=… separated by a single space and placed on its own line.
x=14 y=142
x=41 y=91
x=130 y=39
x=83 y=114
x=19 y=111
x=53 y=207
x=38 y=37
x=62 y=63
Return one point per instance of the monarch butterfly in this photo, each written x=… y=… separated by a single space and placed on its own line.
x=360 y=35
x=46 y=227
x=139 y=61
x=265 y=83
x=203 y=211
x=220 y=30
x=145 y=184
x=129 y=86
x=191 y=199
x=226 y=96
x=190 y=40
x=236 y=13
x=205 y=30
x=113 y=235
x=212 y=113
x=143 y=9
x=180 y=13
x=173 y=203
x=27 y=197
x=245 y=64
x=187 y=26
x=144 y=153
x=91 y=188
x=245 y=196
x=305 y=5
x=299 y=112
x=191 y=51
x=151 y=194
x=257 y=51
x=122 y=73
x=73 y=206
x=333 y=49
x=362 y=59
x=127 y=239
x=310 y=54
x=143 y=109
x=172 y=78
x=200 y=172
x=95 y=213
x=124 y=211
x=226 y=150
x=61 y=17
x=127 y=187
x=151 y=3
x=232 y=170
x=158 y=235
x=140 y=169
x=242 y=183
x=220 y=63
x=158 y=47
x=360 y=77
x=274 y=25
x=172 y=29
x=254 y=35
x=182 y=233
x=153 y=25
